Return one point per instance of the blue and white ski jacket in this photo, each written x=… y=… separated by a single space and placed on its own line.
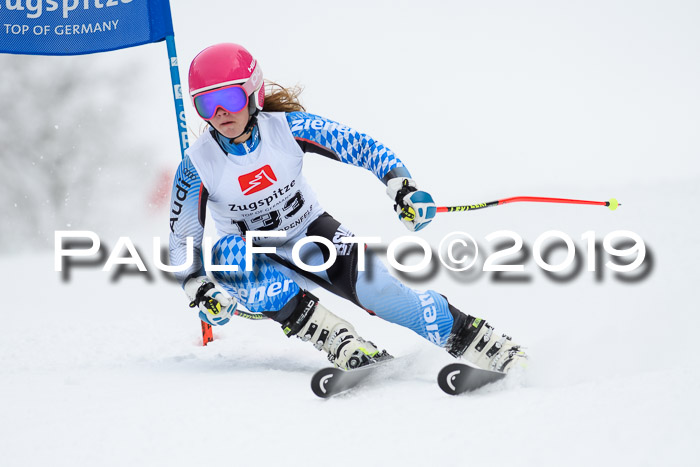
x=258 y=184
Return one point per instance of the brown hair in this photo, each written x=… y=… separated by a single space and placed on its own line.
x=281 y=99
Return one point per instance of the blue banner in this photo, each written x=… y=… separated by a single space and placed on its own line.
x=73 y=27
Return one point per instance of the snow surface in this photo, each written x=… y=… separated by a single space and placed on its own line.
x=582 y=100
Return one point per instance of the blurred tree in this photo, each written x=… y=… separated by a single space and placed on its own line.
x=67 y=163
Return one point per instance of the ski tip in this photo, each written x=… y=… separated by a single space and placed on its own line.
x=449 y=377
x=322 y=382
x=458 y=378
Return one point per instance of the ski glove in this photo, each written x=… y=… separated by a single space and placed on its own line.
x=215 y=307
x=415 y=208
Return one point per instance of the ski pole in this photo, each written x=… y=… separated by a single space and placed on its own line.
x=612 y=204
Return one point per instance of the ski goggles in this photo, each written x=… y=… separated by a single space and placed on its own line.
x=232 y=98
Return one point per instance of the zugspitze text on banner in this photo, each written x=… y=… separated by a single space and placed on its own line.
x=73 y=27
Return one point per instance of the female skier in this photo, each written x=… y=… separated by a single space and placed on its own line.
x=247 y=168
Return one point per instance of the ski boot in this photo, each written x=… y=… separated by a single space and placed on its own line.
x=313 y=322
x=474 y=340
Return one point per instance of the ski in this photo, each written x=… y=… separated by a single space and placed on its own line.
x=458 y=378
x=328 y=382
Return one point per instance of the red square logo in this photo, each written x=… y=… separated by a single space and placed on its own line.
x=257 y=180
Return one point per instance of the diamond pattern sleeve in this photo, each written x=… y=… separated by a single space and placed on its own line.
x=339 y=142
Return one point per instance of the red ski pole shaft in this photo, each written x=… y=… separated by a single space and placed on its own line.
x=612 y=204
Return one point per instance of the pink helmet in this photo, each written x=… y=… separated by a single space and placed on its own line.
x=225 y=64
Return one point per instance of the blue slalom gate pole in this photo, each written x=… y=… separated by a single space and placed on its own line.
x=207 y=334
x=177 y=94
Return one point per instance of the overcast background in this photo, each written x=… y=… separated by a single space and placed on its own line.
x=481 y=100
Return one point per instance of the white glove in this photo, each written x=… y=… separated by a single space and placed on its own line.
x=415 y=208
x=215 y=306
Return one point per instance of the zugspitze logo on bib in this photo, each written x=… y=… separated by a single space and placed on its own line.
x=257 y=180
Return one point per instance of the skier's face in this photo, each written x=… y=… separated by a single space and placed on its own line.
x=231 y=125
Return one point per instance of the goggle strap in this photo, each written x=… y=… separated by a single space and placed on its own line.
x=249 y=85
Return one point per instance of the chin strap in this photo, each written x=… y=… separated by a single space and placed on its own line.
x=252 y=121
